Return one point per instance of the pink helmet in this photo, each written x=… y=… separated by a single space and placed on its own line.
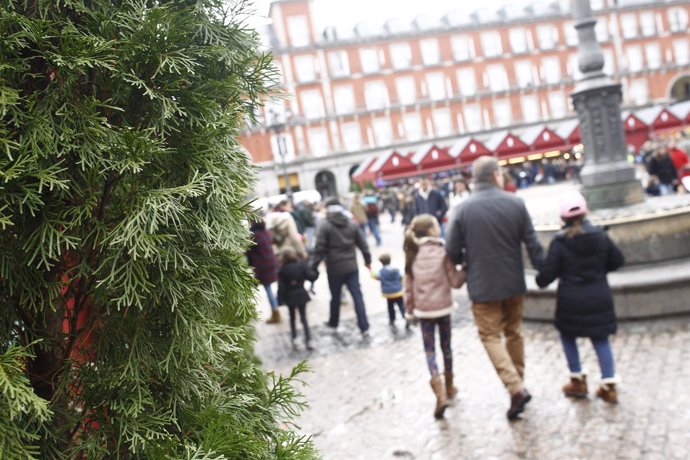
x=572 y=204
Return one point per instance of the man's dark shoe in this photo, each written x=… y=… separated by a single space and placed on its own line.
x=328 y=324
x=517 y=403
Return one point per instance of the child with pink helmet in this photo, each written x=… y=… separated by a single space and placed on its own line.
x=580 y=256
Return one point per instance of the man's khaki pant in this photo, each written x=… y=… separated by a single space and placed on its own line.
x=503 y=318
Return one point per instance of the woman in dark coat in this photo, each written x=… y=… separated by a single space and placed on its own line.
x=265 y=263
x=581 y=255
x=291 y=292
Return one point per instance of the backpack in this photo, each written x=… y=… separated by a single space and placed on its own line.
x=372 y=210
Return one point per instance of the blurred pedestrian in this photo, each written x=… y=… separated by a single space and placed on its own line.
x=581 y=255
x=389 y=198
x=371 y=206
x=430 y=201
x=291 y=292
x=284 y=230
x=359 y=212
x=336 y=241
x=661 y=166
x=391 y=288
x=261 y=257
x=429 y=277
x=486 y=235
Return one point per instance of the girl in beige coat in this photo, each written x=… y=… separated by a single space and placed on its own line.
x=430 y=275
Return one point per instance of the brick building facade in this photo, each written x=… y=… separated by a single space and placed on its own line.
x=354 y=94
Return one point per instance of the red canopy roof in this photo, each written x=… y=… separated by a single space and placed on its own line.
x=432 y=157
x=395 y=165
x=467 y=149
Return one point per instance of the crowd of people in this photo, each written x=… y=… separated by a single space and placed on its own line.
x=454 y=234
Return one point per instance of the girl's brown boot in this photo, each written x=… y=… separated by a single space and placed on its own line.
x=607 y=391
x=439 y=391
x=577 y=388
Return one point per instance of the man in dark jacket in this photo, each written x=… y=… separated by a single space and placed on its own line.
x=337 y=238
x=430 y=201
x=486 y=235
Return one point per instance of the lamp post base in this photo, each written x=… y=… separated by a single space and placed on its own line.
x=613 y=195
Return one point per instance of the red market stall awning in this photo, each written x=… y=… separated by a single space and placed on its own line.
x=569 y=131
x=541 y=138
x=363 y=172
x=432 y=157
x=467 y=149
x=505 y=144
x=682 y=111
x=394 y=165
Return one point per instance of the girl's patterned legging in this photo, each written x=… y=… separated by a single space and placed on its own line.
x=428 y=326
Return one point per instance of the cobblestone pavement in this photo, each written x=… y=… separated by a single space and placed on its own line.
x=370 y=398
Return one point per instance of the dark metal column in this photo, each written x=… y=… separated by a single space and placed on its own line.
x=608 y=178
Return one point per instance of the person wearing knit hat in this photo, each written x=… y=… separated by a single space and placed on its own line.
x=580 y=256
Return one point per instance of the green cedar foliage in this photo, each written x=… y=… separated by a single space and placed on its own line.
x=125 y=301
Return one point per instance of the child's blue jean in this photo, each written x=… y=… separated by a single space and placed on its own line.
x=601 y=346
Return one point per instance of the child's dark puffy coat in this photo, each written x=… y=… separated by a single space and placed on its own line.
x=291 y=277
x=584 y=305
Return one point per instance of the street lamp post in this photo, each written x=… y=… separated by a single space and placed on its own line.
x=608 y=179
x=278 y=123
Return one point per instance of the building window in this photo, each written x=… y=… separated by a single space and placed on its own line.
x=406 y=89
x=653 y=55
x=629 y=25
x=557 y=104
x=548 y=36
x=401 y=55
x=571 y=33
x=443 y=125
x=639 y=91
x=383 y=133
x=518 y=40
x=286 y=150
x=352 y=136
x=304 y=68
x=647 y=24
x=503 y=113
x=601 y=30
x=338 y=64
x=597 y=4
x=634 y=55
x=497 y=77
x=376 y=95
x=467 y=82
x=523 y=73
x=463 y=47
x=473 y=117
x=412 y=123
x=529 y=104
x=680 y=51
x=318 y=141
x=491 y=44
x=574 y=67
x=431 y=55
x=298 y=30
x=344 y=99
x=436 y=86
x=609 y=62
x=370 y=60
x=678 y=19
x=551 y=70
x=312 y=104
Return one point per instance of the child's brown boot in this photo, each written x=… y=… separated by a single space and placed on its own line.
x=451 y=391
x=439 y=391
x=577 y=388
x=607 y=391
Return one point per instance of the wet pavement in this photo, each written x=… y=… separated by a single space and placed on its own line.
x=370 y=398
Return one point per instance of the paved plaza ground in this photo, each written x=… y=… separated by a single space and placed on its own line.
x=370 y=399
